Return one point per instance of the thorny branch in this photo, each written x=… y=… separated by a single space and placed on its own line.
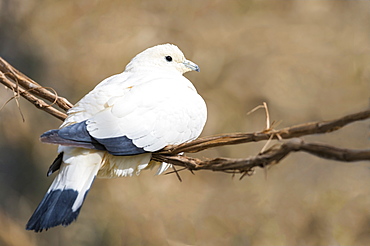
x=23 y=86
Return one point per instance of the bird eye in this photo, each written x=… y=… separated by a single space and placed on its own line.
x=168 y=58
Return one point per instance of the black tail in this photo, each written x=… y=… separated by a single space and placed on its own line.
x=55 y=209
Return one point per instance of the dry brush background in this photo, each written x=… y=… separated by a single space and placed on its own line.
x=309 y=60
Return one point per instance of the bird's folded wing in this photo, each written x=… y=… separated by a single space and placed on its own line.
x=144 y=119
x=152 y=116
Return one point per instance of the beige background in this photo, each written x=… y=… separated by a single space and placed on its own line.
x=309 y=60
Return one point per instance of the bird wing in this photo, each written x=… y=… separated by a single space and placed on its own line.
x=145 y=118
x=95 y=101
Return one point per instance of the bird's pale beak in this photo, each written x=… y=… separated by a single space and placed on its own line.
x=191 y=65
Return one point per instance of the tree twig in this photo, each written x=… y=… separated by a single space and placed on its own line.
x=40 y=104
x=32 y=91
x=29 y=84
x=37 y=95
x=267 y=158
x=318 y=127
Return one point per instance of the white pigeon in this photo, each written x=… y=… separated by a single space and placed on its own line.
x=112 y=131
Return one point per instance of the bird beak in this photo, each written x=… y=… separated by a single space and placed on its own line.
x=191 y=65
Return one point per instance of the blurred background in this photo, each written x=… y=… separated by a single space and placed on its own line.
x=309 y=60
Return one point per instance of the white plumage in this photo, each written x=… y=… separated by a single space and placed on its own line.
x=112 y=131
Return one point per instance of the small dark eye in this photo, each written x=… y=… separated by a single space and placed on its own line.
x=168 y=58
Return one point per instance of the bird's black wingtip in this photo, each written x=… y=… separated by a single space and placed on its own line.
x=55 y=166
x=51 y=136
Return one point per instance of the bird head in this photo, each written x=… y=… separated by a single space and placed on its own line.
x=162 y=57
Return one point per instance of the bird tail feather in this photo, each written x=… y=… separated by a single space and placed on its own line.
x=62 y=202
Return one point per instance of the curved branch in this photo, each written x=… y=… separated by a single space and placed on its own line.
x=30 y=85
x=23 y=86
x=40 y=104
x=267 y=158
